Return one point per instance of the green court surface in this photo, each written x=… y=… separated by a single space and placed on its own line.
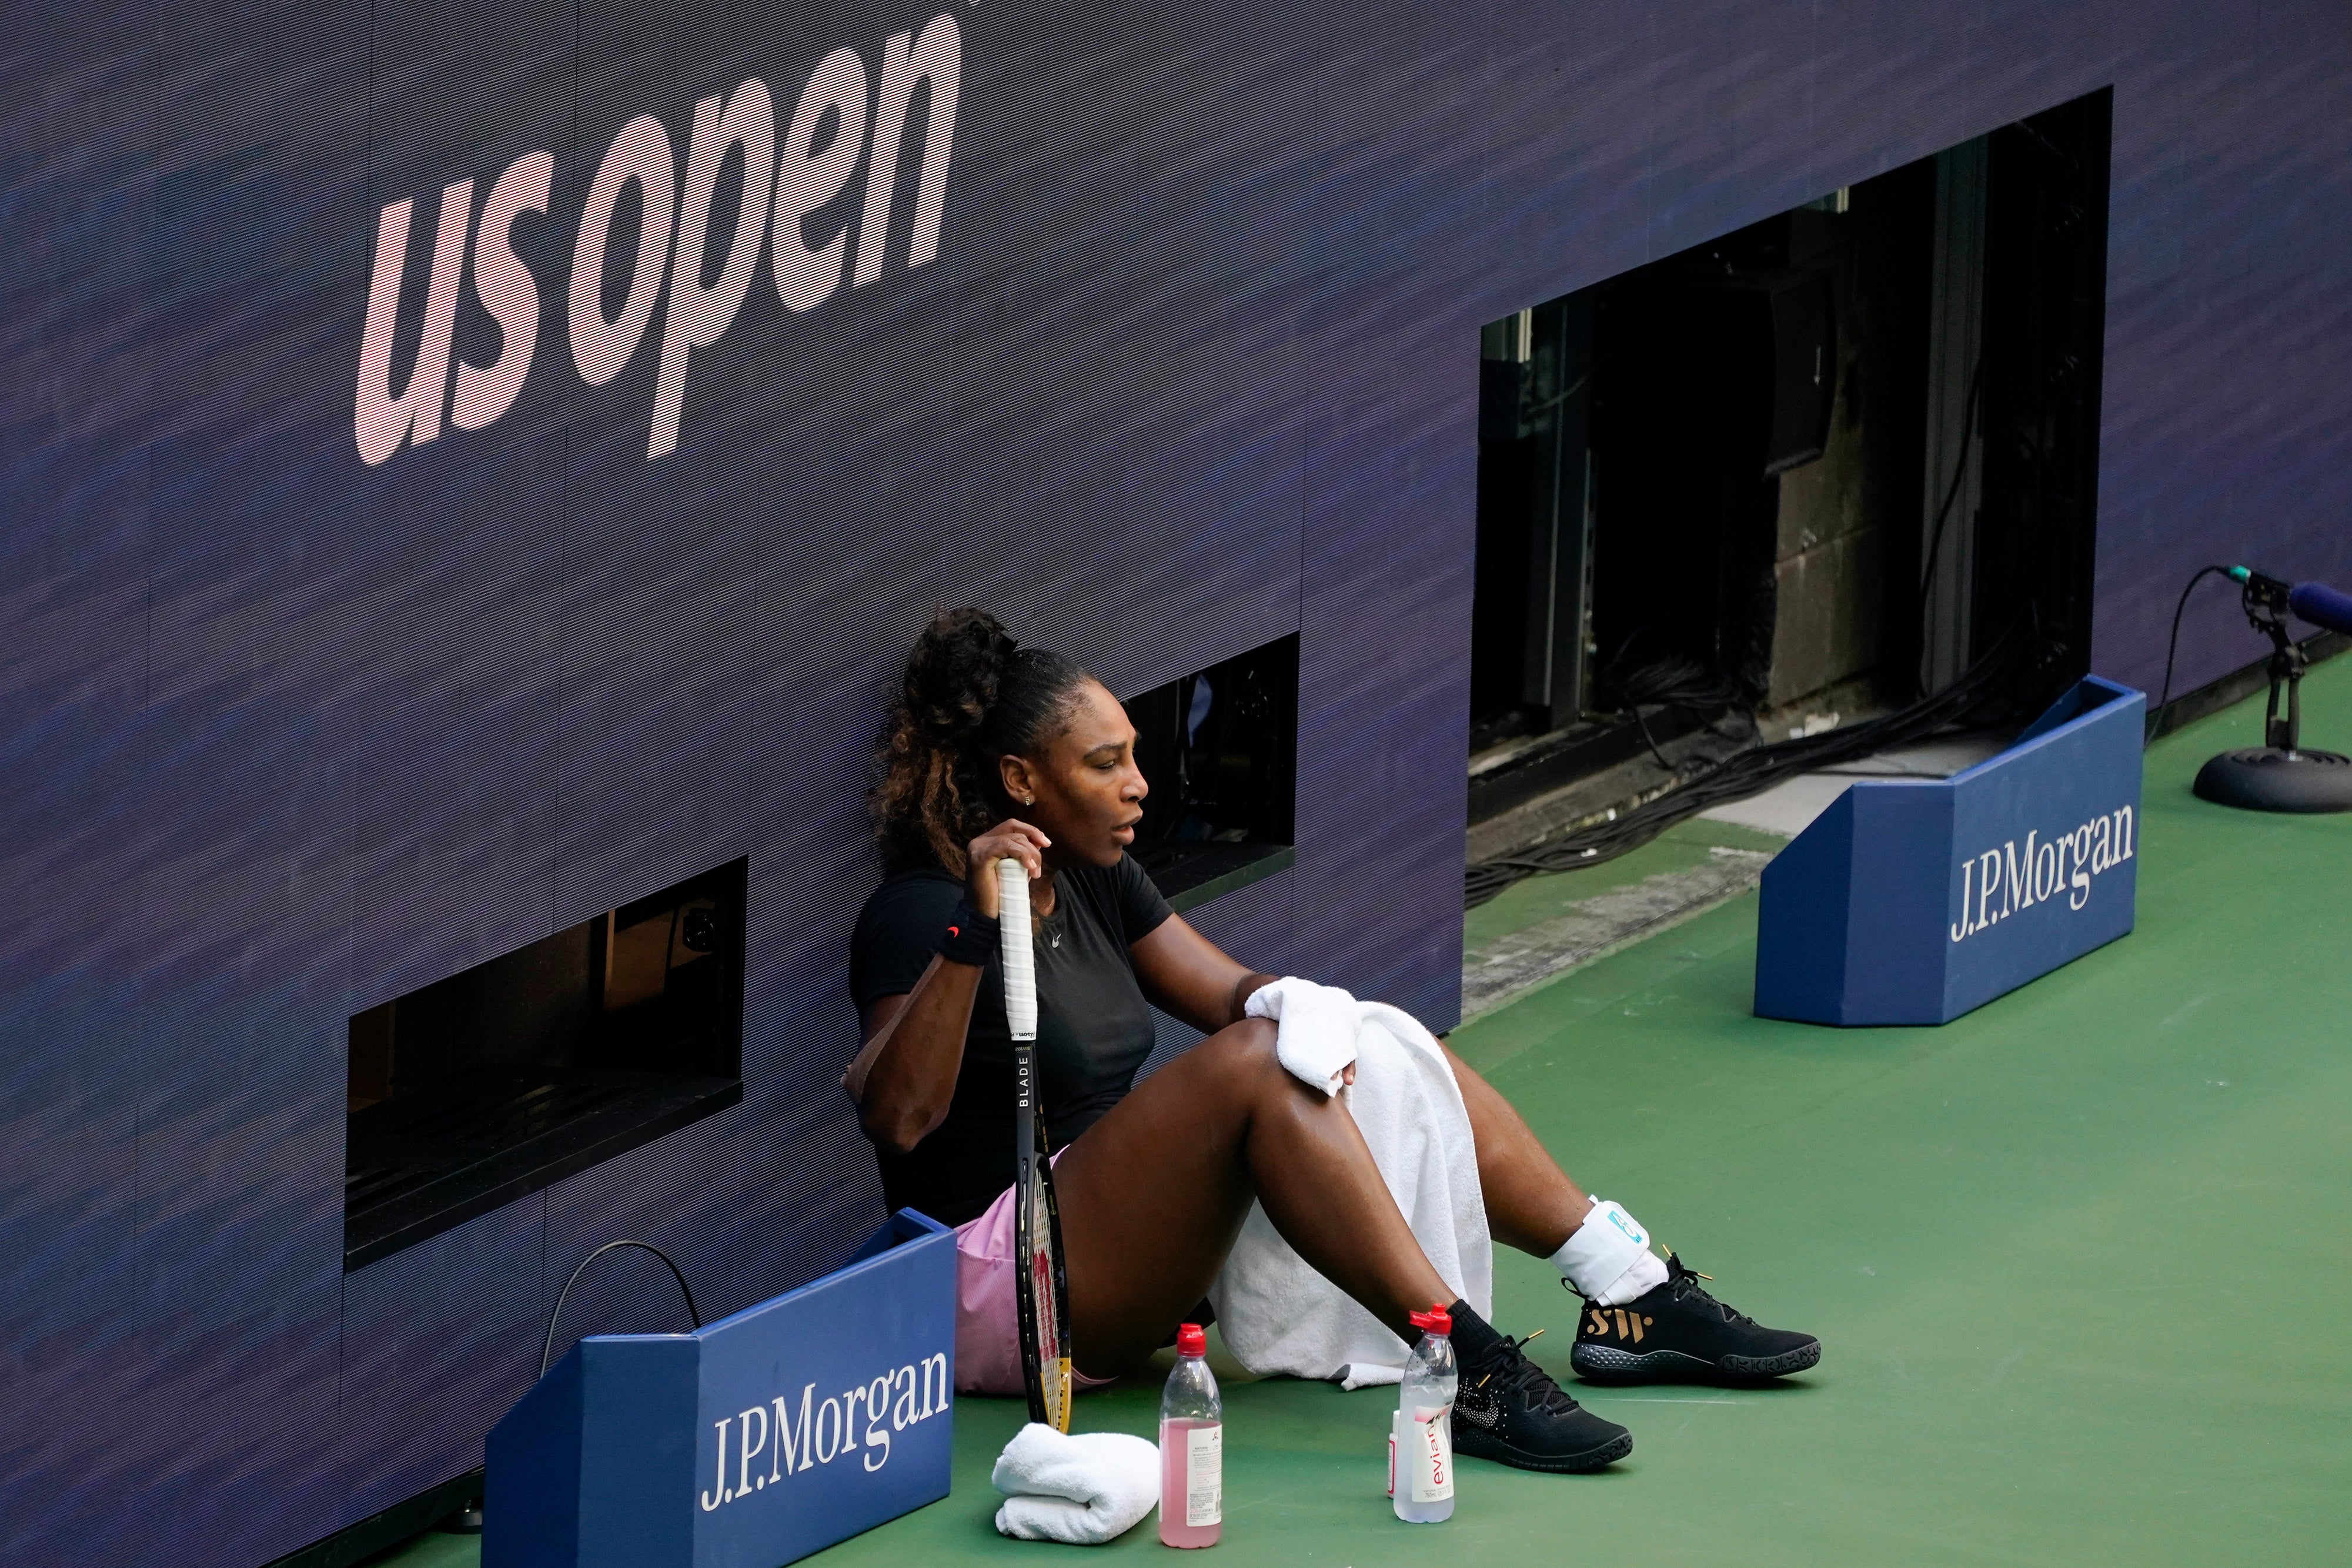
x=2081 y=1260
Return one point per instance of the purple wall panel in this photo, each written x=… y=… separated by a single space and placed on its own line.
x=287 y=734
x=433 y=1336
x=2226 y=407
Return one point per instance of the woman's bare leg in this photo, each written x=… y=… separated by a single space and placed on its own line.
x=1154 y=1194
x=1530 y=1203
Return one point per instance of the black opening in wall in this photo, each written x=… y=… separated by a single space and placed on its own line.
x=520 y=1071
x=2045 y=339
x=1220 y=751
x=1799 y=473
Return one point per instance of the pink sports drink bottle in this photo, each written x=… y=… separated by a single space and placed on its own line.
x=1192 y=1446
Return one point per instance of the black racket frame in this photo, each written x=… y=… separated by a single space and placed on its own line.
x=1035 y=1171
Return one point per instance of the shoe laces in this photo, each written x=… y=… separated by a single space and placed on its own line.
x=1683 y=1281
x=1517 y=1375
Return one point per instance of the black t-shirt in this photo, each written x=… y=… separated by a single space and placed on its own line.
x=1094 y=1027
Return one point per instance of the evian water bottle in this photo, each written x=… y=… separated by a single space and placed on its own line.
x=1420 y=1443
x=1192 y=1446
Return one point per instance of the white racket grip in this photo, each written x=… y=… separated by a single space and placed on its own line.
x=1020 y=963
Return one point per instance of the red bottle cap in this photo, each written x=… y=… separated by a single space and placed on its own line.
x=1437 y=1320
x=1191 y=1339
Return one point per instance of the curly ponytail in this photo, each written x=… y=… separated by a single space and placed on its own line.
x=971 y=695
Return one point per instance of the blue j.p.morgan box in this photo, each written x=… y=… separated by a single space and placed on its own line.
x=1911 y=901
x=748 y=1443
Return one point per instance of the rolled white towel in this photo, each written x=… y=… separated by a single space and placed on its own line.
x=1314 y=1037
x=1080 y=1488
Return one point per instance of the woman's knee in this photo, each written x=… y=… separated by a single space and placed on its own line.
x=1240 y=1054
x=1244 y=1058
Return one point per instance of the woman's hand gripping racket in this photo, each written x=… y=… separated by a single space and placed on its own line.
x=1044 y=1292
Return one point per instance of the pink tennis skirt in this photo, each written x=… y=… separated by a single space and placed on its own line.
x=988 y=1320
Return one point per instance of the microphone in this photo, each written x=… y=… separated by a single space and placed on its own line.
x=2322 y=606
x=2327 y=608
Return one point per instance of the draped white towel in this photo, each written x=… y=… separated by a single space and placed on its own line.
x=1082 y=1489
x=1316 y=1036
x=1277 y=1314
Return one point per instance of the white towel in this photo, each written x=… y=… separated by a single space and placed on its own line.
x=1316 y=1037
x=1081 y=1490
x=1278 y=1316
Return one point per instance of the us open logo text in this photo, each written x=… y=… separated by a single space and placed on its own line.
x=782 y=185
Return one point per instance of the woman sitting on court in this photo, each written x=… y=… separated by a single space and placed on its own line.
x=1000 y=751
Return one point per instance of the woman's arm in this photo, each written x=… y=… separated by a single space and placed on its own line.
x=905 y=1074
x=1184 y=973
x=904 y=1077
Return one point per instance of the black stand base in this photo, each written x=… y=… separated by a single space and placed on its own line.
x=2280 y=776
x=2266 y=778
x=466 y=1521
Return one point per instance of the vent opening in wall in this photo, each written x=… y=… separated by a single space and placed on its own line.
x=1810 y=471
x=520 y=1071
x=1220 y=751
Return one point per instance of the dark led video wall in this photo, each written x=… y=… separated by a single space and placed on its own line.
x=471 y=465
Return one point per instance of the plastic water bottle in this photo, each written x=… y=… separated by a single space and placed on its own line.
x=1192 y=1446
x=1420 y=1443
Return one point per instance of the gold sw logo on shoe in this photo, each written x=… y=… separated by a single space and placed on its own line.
x=1625 y=1326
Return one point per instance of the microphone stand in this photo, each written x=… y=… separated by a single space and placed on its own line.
x=2278 y=775
x=2265 y=604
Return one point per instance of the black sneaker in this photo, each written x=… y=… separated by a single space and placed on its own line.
x=1510 y=1410
x=1679 y=1333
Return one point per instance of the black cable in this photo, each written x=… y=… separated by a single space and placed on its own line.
x=1650 y=739
x=2155 y=714
x=1672 y=680
x=1959 y=473
x=1745 y=774
x=546 y=1351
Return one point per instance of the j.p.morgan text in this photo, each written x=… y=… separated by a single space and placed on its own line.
x=822 y=1429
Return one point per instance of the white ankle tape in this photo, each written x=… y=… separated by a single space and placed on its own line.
x=1608 y=1261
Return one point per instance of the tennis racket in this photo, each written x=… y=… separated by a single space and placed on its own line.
x=1044 y=1292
